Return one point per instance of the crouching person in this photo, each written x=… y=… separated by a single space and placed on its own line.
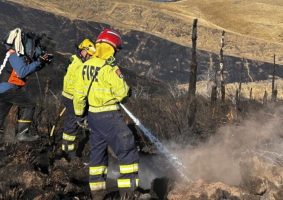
x=24 y=56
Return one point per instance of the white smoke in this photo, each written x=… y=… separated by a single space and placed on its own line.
x=219 y=158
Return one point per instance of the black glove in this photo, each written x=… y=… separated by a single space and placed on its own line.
x=82 y=122
x=46 y=58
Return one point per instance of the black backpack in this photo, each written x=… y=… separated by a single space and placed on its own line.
x=32 y=47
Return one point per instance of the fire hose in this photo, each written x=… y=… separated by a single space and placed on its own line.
x=173 y=159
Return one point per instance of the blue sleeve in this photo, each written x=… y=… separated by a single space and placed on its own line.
x=22 y=69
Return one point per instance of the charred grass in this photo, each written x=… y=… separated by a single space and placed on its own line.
x=39 y=170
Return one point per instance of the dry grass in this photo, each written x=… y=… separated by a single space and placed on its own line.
x=258 y=89
x=255 y=27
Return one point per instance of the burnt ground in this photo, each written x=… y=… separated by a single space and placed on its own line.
x=38 y=171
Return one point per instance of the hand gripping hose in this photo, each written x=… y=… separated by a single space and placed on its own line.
x=173 y=159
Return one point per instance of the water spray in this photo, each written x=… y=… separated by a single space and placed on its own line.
x=173 y=159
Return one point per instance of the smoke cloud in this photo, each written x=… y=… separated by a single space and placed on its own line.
x=219 y=158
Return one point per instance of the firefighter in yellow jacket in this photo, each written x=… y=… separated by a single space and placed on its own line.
x=85 y=50
x=101 y=84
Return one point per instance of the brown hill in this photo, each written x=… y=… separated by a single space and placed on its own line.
x=255 y=27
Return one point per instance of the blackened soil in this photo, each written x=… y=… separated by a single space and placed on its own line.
x=29 y=171
x=38 y=170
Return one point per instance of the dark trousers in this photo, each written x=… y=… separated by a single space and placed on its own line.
x=108 y=128
x=70 y=127
x=17 y=97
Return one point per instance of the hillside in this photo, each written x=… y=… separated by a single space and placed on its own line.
x=254 y=28
x=232 y=151
x=141 y=52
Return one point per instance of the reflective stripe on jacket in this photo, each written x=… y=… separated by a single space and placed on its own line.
x=70 y=77
x=107 y=89
x=13 y=77
x=14 y=72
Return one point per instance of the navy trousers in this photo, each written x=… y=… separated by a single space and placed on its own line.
x=70 y=128
x=109 y=129
x=26 y=104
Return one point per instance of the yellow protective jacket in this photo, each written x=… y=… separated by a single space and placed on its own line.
x=107 y=89
x=70 y=77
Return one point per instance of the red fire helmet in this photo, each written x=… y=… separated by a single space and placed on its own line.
x=111 y=37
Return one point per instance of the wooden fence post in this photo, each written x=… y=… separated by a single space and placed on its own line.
x=193 y=78
x=240 y=82
x=222 y=83
x=274 y=89
x=264 y=99
x=212 y=80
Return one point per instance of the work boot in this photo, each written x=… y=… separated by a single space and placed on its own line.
x=129 y=195
x=69 y=156
x=98 y=195
x=145 y=196
x=135 y=195
x=27 y=136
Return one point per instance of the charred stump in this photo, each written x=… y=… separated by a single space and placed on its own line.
x=264 y=99
x=251 y=94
